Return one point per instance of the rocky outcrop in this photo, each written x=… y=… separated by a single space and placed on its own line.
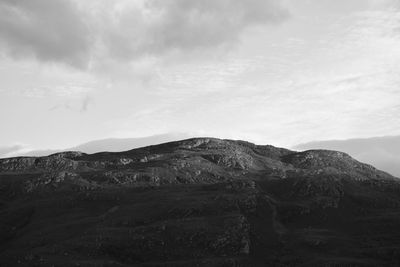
x=200 y=160
x=334 y=162
x=197 y=202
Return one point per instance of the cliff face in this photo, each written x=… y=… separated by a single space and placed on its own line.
x=203 y=201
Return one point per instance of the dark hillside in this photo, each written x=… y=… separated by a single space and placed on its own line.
x=198 y=202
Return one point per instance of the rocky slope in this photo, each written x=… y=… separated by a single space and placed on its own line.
x=198 y=202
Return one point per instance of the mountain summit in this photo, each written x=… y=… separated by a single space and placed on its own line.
x=198 y=202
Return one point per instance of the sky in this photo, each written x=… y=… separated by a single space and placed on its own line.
x=266 y=71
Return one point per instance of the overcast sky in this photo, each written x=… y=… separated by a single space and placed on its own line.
x=272 y=72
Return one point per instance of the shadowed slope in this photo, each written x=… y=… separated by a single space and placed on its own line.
x=201 y=201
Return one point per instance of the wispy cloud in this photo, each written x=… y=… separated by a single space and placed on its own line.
x=87 y=100
x=61 y=106
x=58 y=91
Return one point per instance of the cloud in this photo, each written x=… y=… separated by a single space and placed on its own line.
x=49 y=30
x=80 y=33
x=60 y=106
x=162 y=26
x=79 y=105
x=10 y=150
x=70 y=91
x=85 y=103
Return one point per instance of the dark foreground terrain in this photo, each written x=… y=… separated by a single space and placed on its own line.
x=198 y=202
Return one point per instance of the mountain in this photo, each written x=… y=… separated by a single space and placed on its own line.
x=108 y=144
x=198 y=202
x=120 y=144
x=382 y=152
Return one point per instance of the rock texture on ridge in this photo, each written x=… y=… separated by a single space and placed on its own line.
x=198 y=202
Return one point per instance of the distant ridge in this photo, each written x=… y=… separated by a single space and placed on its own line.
x=382 y=152
x=113 y=144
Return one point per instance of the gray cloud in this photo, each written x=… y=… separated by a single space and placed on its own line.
x=85 y=103
x=50 y=30
x=163 y=26
x=60 y=31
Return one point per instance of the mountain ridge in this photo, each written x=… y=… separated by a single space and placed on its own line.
x=95 y=146
x=382 y=152
x=198 y=201
x=213 y=143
